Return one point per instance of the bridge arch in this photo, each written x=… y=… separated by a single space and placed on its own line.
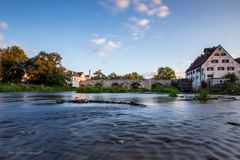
x=115 y=84
x=156 y=85
x=135 y=85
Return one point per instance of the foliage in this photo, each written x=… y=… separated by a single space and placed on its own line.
x=99 y=75
x=101 y=89
x=232 y=77
x=165 y=73
x=5 y=87
x=113 y=76
x=13 y=64
x=133 y=76
x=203 y=95
x=172 y=91
x=46 y=68
x=204 y=85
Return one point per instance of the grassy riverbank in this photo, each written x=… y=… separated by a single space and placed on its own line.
x=33 y=88
x=117 y=89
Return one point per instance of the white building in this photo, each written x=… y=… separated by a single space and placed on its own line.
x=212 y=66
x=77 y=78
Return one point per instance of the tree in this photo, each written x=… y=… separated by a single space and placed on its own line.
x=133 y=76
x=113 y=76
x=13 y=64
x=165 y=73
x=232 y=77
x=46 y=68
x=99 y=75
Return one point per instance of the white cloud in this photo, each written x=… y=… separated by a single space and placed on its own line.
x=122 y=4
x=102 y=46
x=3 y=25
x=98 y=40
x=156 y=1
x=188 y=62
x=141 y=7
x=138 y=27
x=143 y=22
x=163 y=11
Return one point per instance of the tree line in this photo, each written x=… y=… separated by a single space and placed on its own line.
x=163 y=73
x=46 y=68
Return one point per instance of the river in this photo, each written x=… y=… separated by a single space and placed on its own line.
x=33 y=126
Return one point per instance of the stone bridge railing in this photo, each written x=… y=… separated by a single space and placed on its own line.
x=146 y=83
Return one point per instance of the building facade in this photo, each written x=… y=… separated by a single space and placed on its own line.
x=77 y=78
x=211 y=67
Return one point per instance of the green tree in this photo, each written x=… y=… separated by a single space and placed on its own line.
x=46 y=68
x=13 y=64
x=165 y=73
x=99 y=75
x=113 y=76
x=133 y=76
x=232 y=77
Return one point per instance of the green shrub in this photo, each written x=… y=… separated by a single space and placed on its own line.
x=5 y=87
x=203 y=95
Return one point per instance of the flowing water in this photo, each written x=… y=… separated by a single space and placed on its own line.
x=33 y=126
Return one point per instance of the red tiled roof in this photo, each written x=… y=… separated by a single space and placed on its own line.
x=238 y=60
x=77 y=74
x=201 y=59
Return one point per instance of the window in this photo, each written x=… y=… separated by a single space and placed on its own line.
x=225 y=61
x=230 y=68
x=223 y=54
x=210 y=75
x=210 y=69
x=216 y=54
x=193 y=72
x=198 y=70
x=221 y=68
x=215 y=61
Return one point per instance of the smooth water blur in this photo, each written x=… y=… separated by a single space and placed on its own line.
x=33 y=126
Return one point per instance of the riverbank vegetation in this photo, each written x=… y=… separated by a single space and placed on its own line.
x=5 y=87
x=172 y=91
x=202 y=95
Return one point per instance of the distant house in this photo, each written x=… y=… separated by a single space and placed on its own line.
x=212 y=66
x=77 y=78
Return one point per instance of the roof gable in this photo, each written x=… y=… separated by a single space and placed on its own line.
x=238 y=60
x=200 y=60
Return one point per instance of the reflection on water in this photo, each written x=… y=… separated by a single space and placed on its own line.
x=33 y=126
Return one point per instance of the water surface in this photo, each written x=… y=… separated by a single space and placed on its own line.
x=33 y=126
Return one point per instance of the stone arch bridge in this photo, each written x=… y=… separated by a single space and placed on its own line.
x=146 y=83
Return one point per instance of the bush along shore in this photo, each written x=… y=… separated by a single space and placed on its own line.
x=5 y=87
x=172 y=91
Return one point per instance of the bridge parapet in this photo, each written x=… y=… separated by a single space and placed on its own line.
x=145 y=83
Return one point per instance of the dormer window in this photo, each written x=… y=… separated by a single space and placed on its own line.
x=215 y=61
x=225 y=61
x=223 y=54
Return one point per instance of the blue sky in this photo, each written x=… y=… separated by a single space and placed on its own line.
x=121 y=35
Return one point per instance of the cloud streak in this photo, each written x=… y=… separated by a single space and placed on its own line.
x=102 y=47
x=3 y=25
